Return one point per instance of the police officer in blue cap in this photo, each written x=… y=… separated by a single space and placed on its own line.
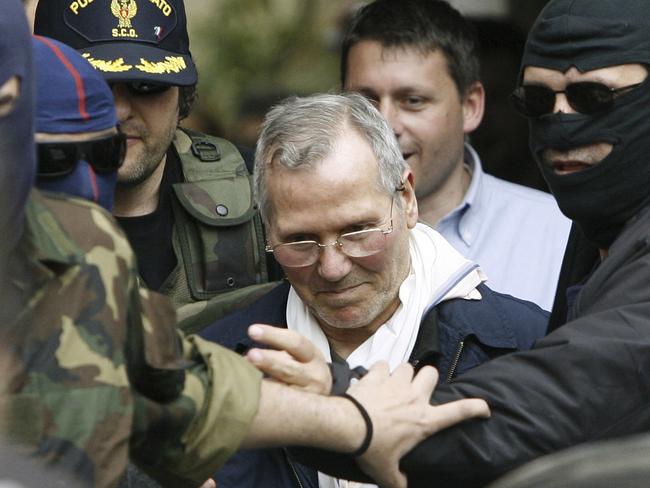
x=183 y=198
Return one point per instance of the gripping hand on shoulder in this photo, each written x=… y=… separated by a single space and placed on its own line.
x=294 y=359
x=398 y=405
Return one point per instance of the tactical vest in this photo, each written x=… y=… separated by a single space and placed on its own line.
x=218 y=237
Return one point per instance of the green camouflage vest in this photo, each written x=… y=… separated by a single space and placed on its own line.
x=218 y=237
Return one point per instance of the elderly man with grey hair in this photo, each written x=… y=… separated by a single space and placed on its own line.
x=366 y=281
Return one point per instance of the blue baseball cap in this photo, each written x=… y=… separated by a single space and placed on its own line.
x=127 y=40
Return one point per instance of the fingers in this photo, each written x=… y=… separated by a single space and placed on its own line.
x=403 y=373
x=376 y=375
x=385 y=472
x=209 y=483
x=393 y=479
x=448 y=414
x=425 y=381
x=280 y=366
x=398 y=480
x=284 y=339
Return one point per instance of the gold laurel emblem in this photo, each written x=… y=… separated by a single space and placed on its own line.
x=108 y=65
x=124 y=10
x=171 y=64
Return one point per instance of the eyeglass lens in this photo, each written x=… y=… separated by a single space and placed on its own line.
x=585 y=97
x=354 y=244
x=60 y=158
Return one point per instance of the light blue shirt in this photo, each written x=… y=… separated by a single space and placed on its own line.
x=516 y=234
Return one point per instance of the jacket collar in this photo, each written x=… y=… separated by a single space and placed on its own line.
x=43 y=253
x=46 y=237
x=495 y=329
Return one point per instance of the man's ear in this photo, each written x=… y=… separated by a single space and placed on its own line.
x=409 y=202
x=473 y=107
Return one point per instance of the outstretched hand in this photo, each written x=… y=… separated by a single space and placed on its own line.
x=294 y=360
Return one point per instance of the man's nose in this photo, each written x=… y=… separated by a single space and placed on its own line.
x=562 y=104
x=393 y=115
x=333 y=264
x=122 y=99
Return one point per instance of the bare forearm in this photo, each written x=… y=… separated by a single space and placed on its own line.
x=287 y=416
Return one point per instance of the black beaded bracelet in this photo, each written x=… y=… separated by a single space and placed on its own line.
x=366 y=418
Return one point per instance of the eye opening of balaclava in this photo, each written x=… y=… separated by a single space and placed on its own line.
x=10 y=92
x=17 y=165
x=73 y=99
x=591 y=35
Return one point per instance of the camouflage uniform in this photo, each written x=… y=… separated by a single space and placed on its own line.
x=97 y=370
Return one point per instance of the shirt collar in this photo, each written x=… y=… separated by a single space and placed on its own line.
x=473 y=161
x=465 y=217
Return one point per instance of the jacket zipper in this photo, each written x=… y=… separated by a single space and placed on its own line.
x=293 y=469
x=454 y=364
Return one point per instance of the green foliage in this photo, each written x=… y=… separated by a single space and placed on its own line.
x=247 y=47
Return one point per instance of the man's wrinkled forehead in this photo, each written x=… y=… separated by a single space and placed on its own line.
x=15 y=43
x=589 y=34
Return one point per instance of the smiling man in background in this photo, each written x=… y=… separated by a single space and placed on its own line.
x=418 y=62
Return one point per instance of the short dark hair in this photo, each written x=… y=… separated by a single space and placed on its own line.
x=187 y=95
x=425 y=24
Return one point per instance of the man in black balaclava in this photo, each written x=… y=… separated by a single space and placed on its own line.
x=592 y=142
x=585 y=90
x=602 y=200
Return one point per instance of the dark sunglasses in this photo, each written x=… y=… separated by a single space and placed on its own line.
x=105 y=155
x=142 y=88
x=586 y=97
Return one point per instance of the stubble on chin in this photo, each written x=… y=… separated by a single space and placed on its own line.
x=355 y=315
x=133 y=174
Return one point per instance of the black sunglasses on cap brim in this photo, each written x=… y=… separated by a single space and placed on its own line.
x=105 y=155
x=142 y=88
x=585 y=97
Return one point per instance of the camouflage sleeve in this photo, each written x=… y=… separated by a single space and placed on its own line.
x=193 y=400
x=230 y=397
x=104 y=367
x=184 y=440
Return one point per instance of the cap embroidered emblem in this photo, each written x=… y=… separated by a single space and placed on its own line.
x=124 y=10
x=108 y=66
x=127 y=40
x=171 y=64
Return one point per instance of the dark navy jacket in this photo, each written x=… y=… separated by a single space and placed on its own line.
x=456 y=335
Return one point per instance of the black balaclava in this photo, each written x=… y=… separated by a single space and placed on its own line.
x=589 y=35
x=17 y=153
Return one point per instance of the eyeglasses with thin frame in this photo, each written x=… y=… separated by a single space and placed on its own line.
x=105 y=155
x=585 y=97
x=358 y=244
